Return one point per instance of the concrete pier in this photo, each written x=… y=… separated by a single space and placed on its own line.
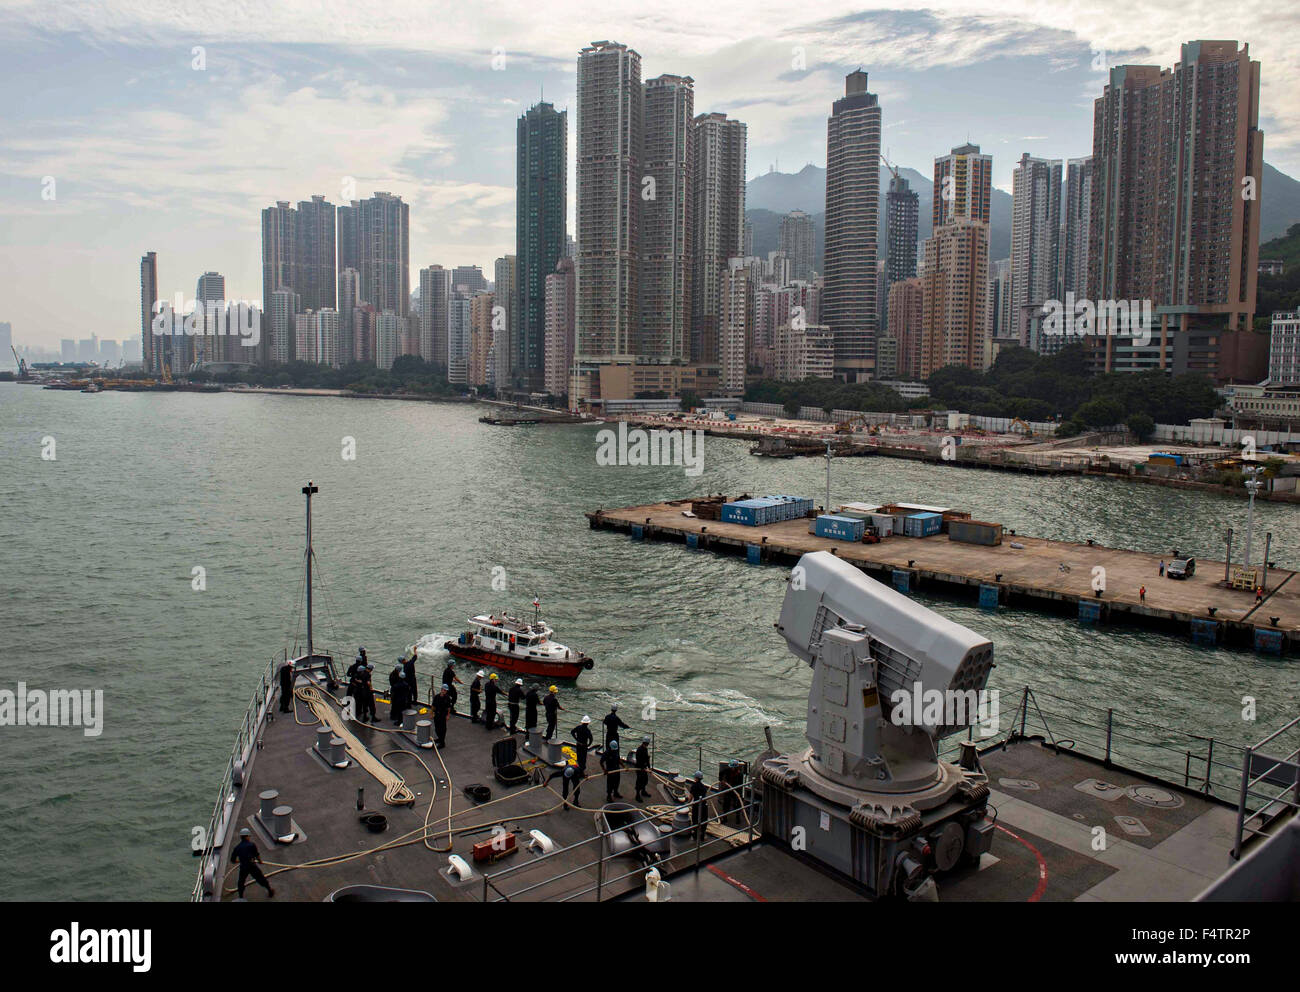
x=1051 y=575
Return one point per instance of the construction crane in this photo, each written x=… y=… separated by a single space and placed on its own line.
x=23 y=372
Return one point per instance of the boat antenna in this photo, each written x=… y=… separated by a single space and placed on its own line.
x=307 y=491
x=537 y=608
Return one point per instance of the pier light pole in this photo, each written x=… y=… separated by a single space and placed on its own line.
x=1252 y=486
x=828 y=475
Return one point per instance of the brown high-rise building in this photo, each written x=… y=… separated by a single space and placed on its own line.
x=1176 y=166
x=906 y=308
x=963 y=186
x=955 y=286
x=852 y=226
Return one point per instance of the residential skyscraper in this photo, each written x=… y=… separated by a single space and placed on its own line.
x=852 y=221
x=284 y=307
x=955 y=307
x=902 y=212
x=316 y=271
x=734 y=327
x=458 y=334
x=1177 y=159
x=558 y=352
x=279 y=251
x=667 y=205
x=151 y=346
x=506 y=277
x=1076 y=213
x=798 y=240
x=718 y=152
x=210 y=299
x=906 y=310
x=349 y=244
x=349 y=300
x=610 y=104
x=1035 y=239
x=541 y=211
x=435 y=290
x=384 y=247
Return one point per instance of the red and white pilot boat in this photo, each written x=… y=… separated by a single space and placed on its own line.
x=502 y=641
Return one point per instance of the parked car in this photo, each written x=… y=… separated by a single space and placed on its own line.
x=1181 y=568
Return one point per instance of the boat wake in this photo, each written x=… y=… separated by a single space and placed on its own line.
x=433 y=644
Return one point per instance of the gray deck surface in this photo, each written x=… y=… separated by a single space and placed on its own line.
x=1045 y=847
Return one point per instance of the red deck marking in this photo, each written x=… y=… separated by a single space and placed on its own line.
x=736 y=882
x=1042 y=864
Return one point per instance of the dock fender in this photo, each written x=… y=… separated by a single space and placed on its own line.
x=588 y=664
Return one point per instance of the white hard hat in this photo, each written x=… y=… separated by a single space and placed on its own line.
x=480 y=673
x=586 y=719
x=519 y=681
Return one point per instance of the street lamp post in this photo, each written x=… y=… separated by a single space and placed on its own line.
x=828 y=475
x=1252 y=486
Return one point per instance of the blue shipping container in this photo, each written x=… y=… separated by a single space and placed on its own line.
x=922 y=524
x=840 y=528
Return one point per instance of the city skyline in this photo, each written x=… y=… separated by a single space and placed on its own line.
x=445 y=145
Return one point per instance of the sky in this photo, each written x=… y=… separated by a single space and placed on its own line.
x=147 y=125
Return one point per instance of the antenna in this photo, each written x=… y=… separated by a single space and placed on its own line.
x=307 y=491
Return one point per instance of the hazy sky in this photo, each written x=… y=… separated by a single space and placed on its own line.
x=154 y=147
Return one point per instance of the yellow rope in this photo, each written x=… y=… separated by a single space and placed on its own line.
x=396 y=791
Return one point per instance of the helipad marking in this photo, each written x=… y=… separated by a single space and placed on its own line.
x=1042 y=864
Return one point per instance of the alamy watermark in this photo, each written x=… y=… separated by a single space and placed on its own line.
x=638 y=446
x=53 y=708
x=214 y=318
x=921 y=707
x=1117 y=318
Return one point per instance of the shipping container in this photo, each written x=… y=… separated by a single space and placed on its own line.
x=840 y=528
x=922 y=524
x=883 y=523
x=975 y=532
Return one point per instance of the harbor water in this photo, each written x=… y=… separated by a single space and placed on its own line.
x=158 y=557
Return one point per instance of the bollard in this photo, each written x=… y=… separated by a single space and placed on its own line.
x=269 y=799
x=323 y=737
x=409 y=719
x=424 y=733
x=338 y=752
x=283 y=823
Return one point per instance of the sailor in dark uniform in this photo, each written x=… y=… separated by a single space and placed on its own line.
x=698 y=792
x=513 y=700
x=613 y=724
x=366 y=695
x=412 y=683
x=731 y=778
x=571 y=776
x=441 y=707
x=450 y=681
x=582 y=737
x=475 y=697
x=531 y=700
x=553 y=707
x=399 y=694
x=286 y=687
x=247 y=855
x=641 y=760
x=490 y=702
x=611 y=762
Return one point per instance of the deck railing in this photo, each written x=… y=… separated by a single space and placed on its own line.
x=245 y=739
x=746 y=809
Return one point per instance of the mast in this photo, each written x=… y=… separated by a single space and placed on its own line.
x=307 y=491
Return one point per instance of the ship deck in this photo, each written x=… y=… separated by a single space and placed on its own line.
x=1163 y=843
